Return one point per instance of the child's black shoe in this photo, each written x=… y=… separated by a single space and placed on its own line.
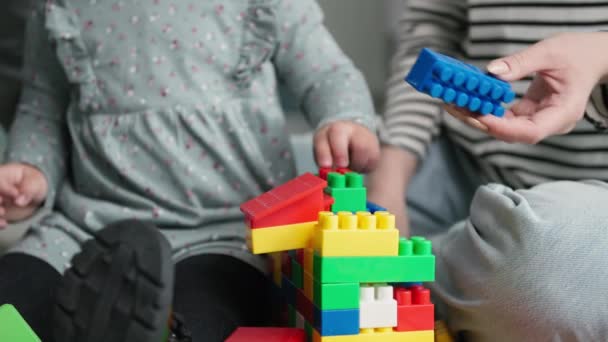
x=119 y=288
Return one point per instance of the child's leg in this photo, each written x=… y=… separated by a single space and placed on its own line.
x=218 y=293
x=528 y=265
x=29 y=284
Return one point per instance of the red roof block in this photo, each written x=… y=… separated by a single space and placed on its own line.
x=296 y=201
x=267 y=335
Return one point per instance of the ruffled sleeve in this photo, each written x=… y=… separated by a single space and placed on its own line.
x=38 y=135
x=326 y=84
x=259 y=39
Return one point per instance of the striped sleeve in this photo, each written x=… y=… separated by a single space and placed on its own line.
x=412 y=119
x=597 y=107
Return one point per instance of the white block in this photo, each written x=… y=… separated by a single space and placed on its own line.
x=299 y=321
x=377 y=308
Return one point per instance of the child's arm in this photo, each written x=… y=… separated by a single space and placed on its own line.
x=411 y=119
x=327 y=86
x=37 y=137
x=567 y=67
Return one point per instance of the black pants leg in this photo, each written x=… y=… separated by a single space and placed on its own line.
x=218 y=293
x=29 y=284
x=215 y=294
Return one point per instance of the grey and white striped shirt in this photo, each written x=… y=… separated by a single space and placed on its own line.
x=478 y=31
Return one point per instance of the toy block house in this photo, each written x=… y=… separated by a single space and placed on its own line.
x=346 y=274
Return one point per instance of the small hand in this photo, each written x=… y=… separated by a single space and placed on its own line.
x=346 y=144
x=22 y=189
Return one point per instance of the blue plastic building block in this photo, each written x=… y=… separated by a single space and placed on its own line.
x=458 y=83
x=373 y=207
x=337 y=322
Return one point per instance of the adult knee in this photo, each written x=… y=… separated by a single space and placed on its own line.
x=535 y=263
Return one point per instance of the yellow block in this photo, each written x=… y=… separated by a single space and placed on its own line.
x=362 y=234
x=276 y=268
x=308 y=260
x=308 y=286
x=280 y=238
x=442 y=334
x=393 y=336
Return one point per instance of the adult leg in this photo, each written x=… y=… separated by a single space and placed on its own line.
x=218 y=293
x=29 y=284
x=440 y=192
x=528 y=265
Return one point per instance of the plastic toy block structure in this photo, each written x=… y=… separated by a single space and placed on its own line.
x=346 y=274
x=459 y=83
x=13 y=327
x=297 y=201
x=267 y=335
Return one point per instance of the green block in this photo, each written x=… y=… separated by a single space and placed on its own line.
x=415 y=263
x=336 y=296
x=291 y=313
x=297 y=274
x=13 y=327
x=308 y=331
x=348 y=192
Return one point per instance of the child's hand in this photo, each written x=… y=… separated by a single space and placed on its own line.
x=567 y=67
x=22 y=189
x=346 y=144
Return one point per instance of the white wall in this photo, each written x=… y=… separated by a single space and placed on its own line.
x=363 y=30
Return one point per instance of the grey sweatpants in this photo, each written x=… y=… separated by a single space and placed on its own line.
x=528 y=265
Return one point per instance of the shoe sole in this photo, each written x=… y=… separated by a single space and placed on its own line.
x=119 y=288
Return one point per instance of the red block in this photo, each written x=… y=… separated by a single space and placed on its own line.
x=296 y=201
x=286 y=265
x=342 y=170
x=414 y=309
x=267 y=335
x=325 y=170
x=300 y=256
x=327 y=202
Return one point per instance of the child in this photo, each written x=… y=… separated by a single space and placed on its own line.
x=512 y=265
x=165 y=113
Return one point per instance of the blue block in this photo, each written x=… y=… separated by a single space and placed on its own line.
x=459 y=83
x=373 y=207
x=289 y=290
x=336 y=322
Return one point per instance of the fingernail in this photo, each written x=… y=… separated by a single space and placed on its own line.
x=498 y=67
x=22 y=200
x=324 y=162
x=476 y=124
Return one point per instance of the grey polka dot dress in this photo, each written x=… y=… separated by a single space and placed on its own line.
x=168 y=112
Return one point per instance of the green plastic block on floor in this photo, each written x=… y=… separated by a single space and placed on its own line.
x=415 y=263
x=336 y=296
x=348 y=192
x=13 y=327
x=297 y=274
